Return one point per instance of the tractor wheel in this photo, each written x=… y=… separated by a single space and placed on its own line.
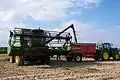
x=78 y=58
x=116 y=56
x=69 y=58
x=19 y=60
x=105 y=56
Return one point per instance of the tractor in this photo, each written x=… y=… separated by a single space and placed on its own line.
x=105 y=50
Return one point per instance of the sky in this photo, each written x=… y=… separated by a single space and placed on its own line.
x=94 y=20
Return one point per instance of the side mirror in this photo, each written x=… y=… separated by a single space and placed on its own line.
x=11 y=33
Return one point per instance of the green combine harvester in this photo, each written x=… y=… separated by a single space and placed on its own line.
x=33 y=44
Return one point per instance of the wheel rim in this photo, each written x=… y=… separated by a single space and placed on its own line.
x=117 y=56
x=78 y=58
x=105 y=55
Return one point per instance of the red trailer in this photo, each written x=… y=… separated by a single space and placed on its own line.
x=80 y=50
x=84 y=49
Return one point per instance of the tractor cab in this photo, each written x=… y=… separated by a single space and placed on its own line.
x=107 y=46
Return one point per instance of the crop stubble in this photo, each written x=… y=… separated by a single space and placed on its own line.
x=62 y=70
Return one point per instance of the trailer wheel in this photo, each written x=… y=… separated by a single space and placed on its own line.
x=105 y=56
x=78 y=58
x=116 y=56
x=69 y=58
x=19 y=60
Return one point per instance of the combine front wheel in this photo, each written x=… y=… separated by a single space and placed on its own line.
x=19 y=60
x=12 y=59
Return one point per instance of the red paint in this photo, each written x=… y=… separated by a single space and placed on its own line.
x=84 y=49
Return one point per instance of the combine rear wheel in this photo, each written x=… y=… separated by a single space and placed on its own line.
x=45 y=59
x=78 y=58
x=105 y=56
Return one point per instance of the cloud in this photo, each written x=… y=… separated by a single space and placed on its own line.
x=41 y=9
x=14 y=12
x=4 y=32
x=85 y=3
x=91 y=2
x=37 y=9
x=85 y=32
x=92 y=33
x=6 y=15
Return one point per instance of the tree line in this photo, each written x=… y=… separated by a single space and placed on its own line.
x=3 y=50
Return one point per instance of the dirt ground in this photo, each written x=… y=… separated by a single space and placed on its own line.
x=61 y=70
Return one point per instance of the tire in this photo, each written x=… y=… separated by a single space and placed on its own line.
x=12 y=59
x=97 y=55
x=96 y=58
x=105 y=56
x=116 y=56
x=45 y=60
x=69 y=58
x=19 y=60
x=78 y=58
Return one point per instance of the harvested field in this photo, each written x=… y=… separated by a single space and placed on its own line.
x=61 y=70
x=4 y=57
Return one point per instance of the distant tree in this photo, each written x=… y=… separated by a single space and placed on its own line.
x=3 y=50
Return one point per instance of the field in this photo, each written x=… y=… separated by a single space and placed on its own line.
x=60 y=70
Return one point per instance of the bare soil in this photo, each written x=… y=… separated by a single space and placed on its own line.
x=62 y=70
